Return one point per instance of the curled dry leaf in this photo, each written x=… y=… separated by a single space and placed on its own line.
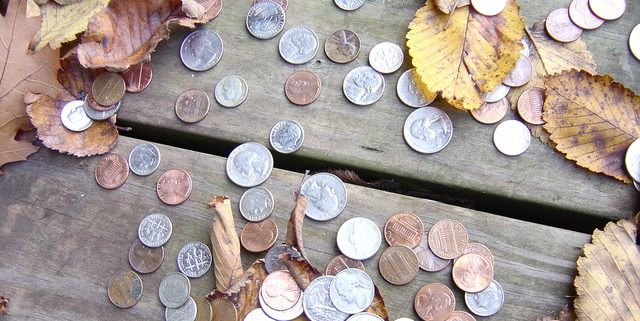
x=294 y=235
x=227 y=265
x=447 y=6
x=301 y=270
x=566 y=314
x=244 y=294
x=4 y=302
x=74 y=77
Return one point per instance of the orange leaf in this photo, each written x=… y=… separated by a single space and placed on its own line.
x=294 y=235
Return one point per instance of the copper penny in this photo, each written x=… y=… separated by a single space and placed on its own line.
x=404 y=228
x=174 y=186
x=448 y=238
x=223 y=310
x=204 y=311
x=283 y=3
x=94 y=104
x=426 y=259
x=530 y=104
x=137 y=77
x=145 y=259
x=480 y=249
x=582 y=16
x=521 y=73
x=398 y=264
x=460 y=316
x=112 y=171
x=472 y=273
x=302 y=87
x=342 y=46
x=212 y=7
x=280 y=291
x=125 y=289
x=434 y=302
x=491 y=113
x=108 y=88
x=340 y=263
x=608 y=9
x=192 y=105
x=260 y=236
x=560 y=27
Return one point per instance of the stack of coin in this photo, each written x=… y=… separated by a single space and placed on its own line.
x=280 y=297
x=566 y=25
x=261 y=233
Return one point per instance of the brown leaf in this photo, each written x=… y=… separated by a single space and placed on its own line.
x=294 y=235
x=227 y=265
x=566 y=314
x=74 y=77
x=12 y=149
x=447 y=6
x=378 y=307
x=300 y=269
x=4 y=302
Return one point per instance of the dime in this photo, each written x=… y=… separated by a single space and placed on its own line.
x=174 y=289
x=582 y=16
x=283 y=3
x=201 y=50
x=192 y=106
x=404 y=228
x=428 y=130
x=512 y=137
x=224 y=310
x=342 y=46
x=174 y=186
x=489 y=8
x=204 y=311
x=472 y=272
x=144 y=159
x=480 y=249
x=93 y=104
x=491 y=113
x=112 y=171
x=272 y=261
x=280 y=291
x=288 y=314
x=125 y=289
x=302 y=87
x=255 y=315
x=145 y=259
x=460 y=316
x=73 y=116
x=231 y=91
x=327 y=196
x=498 y=93
x=256 y=204
x=317 y=301
x=265 y=20
x=409 y=93
x=249 y=164
x=632 y=160
x=608 y=9
x=434 y=302
x=634 y=41
x=99 y=114
x=351 y=290
x=108 y=88
x=487 y=302
x=258 y=237
x=137 y=77
x=155 y=230
x=398 y=264
x=560 y=27
x=186 y=312
x=448 y=238
x=386 y=57
x=530 y=104
x=426 y=259
x=365 y=316
x=341 y=262
x=194 y=259
x=359 y=238
x=286 y=137
x=298 y=45
x=521 y=73
x=349 y=5
x=363 y=86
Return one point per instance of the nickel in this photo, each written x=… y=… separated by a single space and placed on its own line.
x=174 y=186
x=530 y=104
x=428 y=130
x=351 y=291
x=317 y=301
x=112 y=171
x=194 y=259
x=512 y=137
x=231 y=91
x=125 y=289
x=398 y=264
x=145 y=259
x=342 y=46
x=491 y=113
x=192 y=106
x=560 y=27
x=302 y=87
x=259 y=237
x=201 y=50
x=359 y=238
x=144 y=159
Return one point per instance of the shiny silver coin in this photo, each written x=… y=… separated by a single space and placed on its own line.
x=286 y=136
x=512 y=137
x=257 y=315
x=521 y=73
x=363 y=86
x=231 y=91
x=359 y=238
x=74 y=117
x=288 y=314
x=317 y=301
x=408 y=91
x=634 y=41
x=365 y=316
x=351 y=290
x=497 y=94
x=186 y=312
x=486 y=302
x=249 y=164
x=349 y=5
x=632 y=160
x=298 y=45
x=201 y=50
x=256 y=204
x=428 y=130
x=98 y=114
x=386 y=57
x=174 y=290
x=155 y=230
x=265 y=20
x=144 y=159
x=327 y=196
x=194 y=259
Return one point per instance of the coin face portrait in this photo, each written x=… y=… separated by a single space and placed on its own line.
x=322 y=196
x=202 y=49
x=430 y=130
x=364 y=85
x=232 y=88
x=429 y=303
x=250 y=164
x=352 y=291
x=288 y=136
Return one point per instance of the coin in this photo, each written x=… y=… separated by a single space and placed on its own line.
x=327 y=196
x=192 y=106
x=258 y=237
x=73 y=116
x=194 y=259
x=634 y=41
x=526 y=47
x=512 y=137
x=174 y=289
x=256 y=204
x=108 y=88
x=125 y=289
x=472 y=272
x=224 y=310
x=144 y=159
x=560 y=27
x=174 y=186
x=404 y=228
x=349 y=5
x=341 y=262
x=317 y=301
x=145 y=259
x=487 y=302
x=491 y=113
x=255 y=315
x=351 y=290
x=298 y=45
x=302 y=87
x=386 y=57
x=398 y=264
x=231 y=91
x=359 y=238
x=636 y=185
x=497 y=94
x=137 y=77
x=404 y=319
x=99 y=114
x=201 y=50
x=582 y=16
x=408 y=91
x=280 y=291
x=426 y=259
x=283 y=3
x=272 y=261
x=265 y=20
x=249 y=164
x=608 y=9
x=204 y=311
x=287 y=136
x=428 y=130
x=460 y=316
x=489 y=8
x=288 y=314
x=155 y=230
x=448 y=238
x=632 y=160
x=186 y=312
x=363 y=86
x=480 y=249
x=93 y=104
x=521 y=73
x=530 y=104
x=342 y=46
x=365 y=316
x=434 y=302
x=112 y=171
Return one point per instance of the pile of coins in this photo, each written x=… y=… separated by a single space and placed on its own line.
x=566 y=25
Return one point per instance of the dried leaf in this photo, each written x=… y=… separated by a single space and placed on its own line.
x=294 y=235
x=227 y=265
x=592 y=119
x=447 y=6
x=244 y=294
x=468 y=58
x=12 y=149
x=566 y=314
x=192 y=9
x=377 y=306
x=300 y=269
x=4 y=302
x=33 y=9
x=74 y=77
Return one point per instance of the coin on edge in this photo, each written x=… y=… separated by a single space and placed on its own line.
x=265 y=20
x=521 y=73
x=398 y=264
x=634 y=41
x=298 y=45
x=491 y=113
x=326 y=195
x=138 y=77
x=249 y=164
x=582 y=16
x=487 y=302
x=186 y=312
x=341 y=262
x=472 y=272
x=224 y=310
x=201 y=50
x=530 y=105
x=155 y=230
x=608 y=9
x=386 y=57
x=363 y=86
x=512 y=137
x=231 y=91
x=108 y=88
x=424 y=302
x=632 y=160
x=359 y=238
x=259 y=237
x=489 y=8
x=204 y=311
x=409 y=93
x=404 y=228
x=174 y=289
x=448 y=238
x=125 y=289
x=145 y=259
x=426 y=259
x=286 y=136
x=351 y=291
x=194 y=259
x=560 y=27
x=112 y=171
x=74 y=117
x=192 y=106
x=428 y=130
x=303 y=87
x=342 y=46
x=349 y=5
x=144 y=159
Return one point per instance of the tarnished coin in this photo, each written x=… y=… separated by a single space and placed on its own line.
x=125 y=289
x=386 y=57
x=225 y=310
x=530 y=104
x=280 y=291
x=112 y=171
x=201 y=50
x=138 y=77
x=255 y=315
x=144 y=159
x=258 y=237
x=194 y=259
x=398 y=264
x=487 y=302
x=434 y=302
x=155 y=230
x=265 y=20
x=192 y=106
x=448 y=238
x=249 y=164
x=204 y=311
x=272 y=261
x=634 y=41
x=145 y=259
x=359 y=238
x=74 y=117
x=287 y=136
x=608 y=9
x=460 y=316
x=491 y=113
x=512 y=137
x=426 y=259
x=560 y=27
x=186 y=312
x=256 y=204
x=341 y=262
x=349 y=5
x=174 y=186
x=231 y=91
x=93 y=104
x=480 y=249
x=342 y=46
x=327 y=196
x=99 y=114
x=108 y=88
x=497 y=94
x=521 y=73
x=365 y=316
x=288 y=314
x=408 y=91
x=632 y=160
x=428 y=130
x=298 y=45
x=317 y=301
x=283 y=3
x=302 y=87
x=363 y=86
x=489 y=8
x=174 y=289
x=582 y=16
x=351 y=290
x=472 y=272
x=404 y=228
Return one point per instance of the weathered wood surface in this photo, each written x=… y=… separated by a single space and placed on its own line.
x=62 y=237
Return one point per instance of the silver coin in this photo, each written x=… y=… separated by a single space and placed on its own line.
x=231 y=91
x=408 y=91
x=186 y=312
x=428 y=130
x=288 y=314
x=155 y=230
x=174 y=290
x=359 y=238
x=363 y=86
x=512 y=137
x=386 y=57
x=265 y=20
x=249 y=164
x=201 y=50
x=497 y=94
x=526 y=47
x=349 y=5
x=100 y=115
x=317 y=301
x=194 y=259
x=327 y=196
x=256 y=204
x=366 y=316
x=521 y=73
x=272 y=261
x=257 y=315
x=74 y=117
x=636 y=185
x=351 y=290
x=286 y=136
x=486 y=302
x=298 y=45
x=632 y=160
x=144 y=159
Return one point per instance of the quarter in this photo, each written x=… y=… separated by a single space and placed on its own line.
x=286 y=136
x=112 y=171
x=327 y=196
x=138 y=77
x=186 y=312
x=386 y=57
x=409 y=93
x=512 y=137
x=448 y=238
x=108 y=88
x=145 y=259
x=428 y=130
x=560 y=27
x=363 y=86
x=231 y=91
x=398 y=264
x=125 y=289
x=174 y=186
x=74 y=117
x=298 y=45
x=434 y=302
x=155 y=230
x=359 y=238
x=487 y=302
x=256 y=204
x=192 y=106
x=342 y=46
x=302 y=87
x=201 y=50
x=351 y=291
x=144 y=159
x=259 y=237
x=265 y=20
x=249 y=164
x=194 y=259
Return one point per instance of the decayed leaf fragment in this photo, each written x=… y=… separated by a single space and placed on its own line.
x=4 y=301
x=227 y=265
x=592 y=120
x=294 y=235
x=12 y=150
x=74 y=77
x=447 y=6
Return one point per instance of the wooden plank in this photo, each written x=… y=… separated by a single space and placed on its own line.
x=62 y=237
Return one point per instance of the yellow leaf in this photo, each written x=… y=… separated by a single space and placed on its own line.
x=447 y=6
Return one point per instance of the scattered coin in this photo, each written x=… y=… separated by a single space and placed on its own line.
x=186 y=312
x=280 y=291
x=472 y=272
x=365 y=316
x=632 y=160
x=272 y=261
x=349 y=5
x=582 y=16
x=298 y=45
x=283 y=3
x=174 y=289
x=434 y=302
x=201 y=50
x=137 y=77
x=255 y=315
x=125 y=289
x=93 y=104
x=265 y=20
x=521 y=73
x=99 y=114
x=404 y=228
x=487 y=302
x=491 y=113
x=286 y=137
x=145 y=259
x=302 y=87
x=174 y=186
x=608 y=9
x=256 y=204
x=327 y=196
x=341 y=262
x=144 y=159
x=363 y=86
x=460 y=316
x=409 y=93
x=398 y=264
x=359 y=238
x=317 y=301
x=428 y=130
x=73 y=116
x=480 y=249
x=155 y=230
x=351 y=290
x=386 y=57
x=231 y=91
x=204 y=311
x=512 y=137
x=560 y=27
x=192 y=106
x=224 y=310
x=194 y=259
x=497 y=94
x=288 y=314
x=258 y=237
x=530 y=104
x=112 y=171
x=249 y=164
x=634 y=41
x=489 y=8
x=108 y=88
x=426 y=259
x=342 y=46
x=448 y=238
